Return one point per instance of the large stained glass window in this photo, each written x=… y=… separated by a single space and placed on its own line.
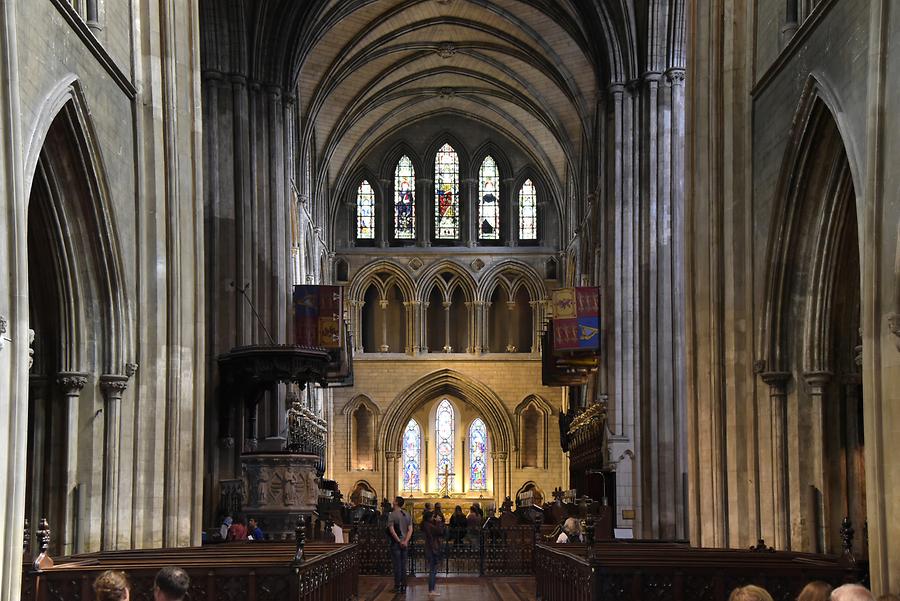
x=477 y=455
x=443 y=438
x=365 y=211
x=528 y=211
x=405 y=200
x=489 y=200
x=412 y=453
x=446 y=194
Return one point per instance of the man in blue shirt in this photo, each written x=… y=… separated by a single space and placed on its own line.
x=254 y=531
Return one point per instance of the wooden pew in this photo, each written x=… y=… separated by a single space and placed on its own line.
x=252 y=571
x=641 y=571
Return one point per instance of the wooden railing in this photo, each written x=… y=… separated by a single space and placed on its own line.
x=506 y=550
x=248 y=571
x=677 y=572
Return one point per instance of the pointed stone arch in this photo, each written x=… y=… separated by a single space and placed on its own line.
x=533 y=420
x=351 y=411
x=466 y=389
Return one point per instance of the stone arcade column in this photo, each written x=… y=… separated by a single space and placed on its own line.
x=383 y=305
x=390 y=476
x=478 y=334
x=411 y=312
x=777 y=382
x=113 y=386
x=817 y=381
x=446 y=305
x=71 y=385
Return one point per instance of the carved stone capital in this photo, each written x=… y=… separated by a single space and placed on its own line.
x=777 y=381
x=392 y=455
x=71 y=382
x=113 y=386
x=816 y=380
x=675 y=77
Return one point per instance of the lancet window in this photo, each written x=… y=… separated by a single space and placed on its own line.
x=365 y=211
x=405 y=199
x=444 y=426
x=528 y=211
x=412 y=454
x=446 y=194
x=478 y=455
x=489 y=200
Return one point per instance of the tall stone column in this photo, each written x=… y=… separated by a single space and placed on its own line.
x=38 y=394
x=777 y=382
x=391 y=480
x=446 y=305
x=383 y=305
x=478 y=336
x=113 y=387
x=71 y=384
x=817 y=382
x=412 y=309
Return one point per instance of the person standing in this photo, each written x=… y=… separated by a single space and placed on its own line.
x=226 y=524
x=399 y=528
x=458 y=524
x=434 y=535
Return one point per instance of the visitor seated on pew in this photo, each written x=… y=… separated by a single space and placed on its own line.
x=112 y=586
x=851 y=592
x=571 y=532
x=751 y=592
x=815 y=591
x=237 y=531
x=253 y=530
x=171 y=584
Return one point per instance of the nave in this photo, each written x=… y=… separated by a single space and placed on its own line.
x=451 y=588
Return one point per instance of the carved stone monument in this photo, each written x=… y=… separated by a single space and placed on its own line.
x=278 y=489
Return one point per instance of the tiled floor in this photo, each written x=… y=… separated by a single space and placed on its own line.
x=453 y=588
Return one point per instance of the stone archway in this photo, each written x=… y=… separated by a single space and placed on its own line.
x=78 y=312
x=448 y=382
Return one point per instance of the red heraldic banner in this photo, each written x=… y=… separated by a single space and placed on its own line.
x=317 y=316
x=576 y=319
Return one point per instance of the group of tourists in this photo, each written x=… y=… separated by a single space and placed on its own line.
x=435 y=528
x=814 y=591
x=237 y=529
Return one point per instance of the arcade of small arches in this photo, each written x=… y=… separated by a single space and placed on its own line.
x=445 y=310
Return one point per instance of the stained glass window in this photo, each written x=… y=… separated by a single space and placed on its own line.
x=365 y=211
x=528 y=211
x=405 y=200
x=443 y=430
x=412 y=453
x=446 y=194
x=489 y=200
x=477 y=455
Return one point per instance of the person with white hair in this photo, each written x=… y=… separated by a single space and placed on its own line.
x=571 y=532
x=851 y=592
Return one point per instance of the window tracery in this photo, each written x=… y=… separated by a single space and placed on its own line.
x=489 y=200
x=412 y=453
x=365 y=211
x=444 y=426
x=528 y=211
x=478 y=455
x=405 y=199
x=446 y=194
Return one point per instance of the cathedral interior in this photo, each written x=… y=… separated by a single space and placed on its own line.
x=717 y=169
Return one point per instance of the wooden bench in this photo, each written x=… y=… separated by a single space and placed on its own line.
x=642 y=571
x=252 y=571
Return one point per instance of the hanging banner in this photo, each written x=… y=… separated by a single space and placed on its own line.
x=576 y=319
x=318 y=312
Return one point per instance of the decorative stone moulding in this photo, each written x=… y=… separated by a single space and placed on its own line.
x=477 y=265
x=446 y=50
x=415 y=264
